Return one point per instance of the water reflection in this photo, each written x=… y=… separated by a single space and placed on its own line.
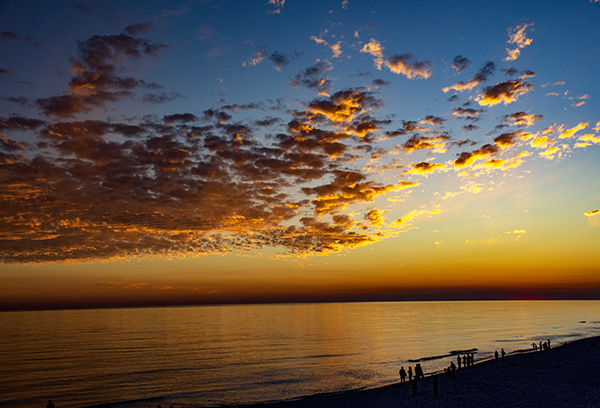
x=233 y=354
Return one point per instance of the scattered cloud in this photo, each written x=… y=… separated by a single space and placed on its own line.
x=592 y=213
x=522 y=119
x=306 y=176
x=518 y=37
x=503 y=92
x=484 y=73
x=460 y=63
x=374 y=48
x=400 y=64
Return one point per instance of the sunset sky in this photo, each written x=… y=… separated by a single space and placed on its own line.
x=189 y=152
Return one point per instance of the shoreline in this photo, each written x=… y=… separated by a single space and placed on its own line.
x=566 y=375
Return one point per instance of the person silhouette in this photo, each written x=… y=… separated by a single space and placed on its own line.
x=541 y=346
x=464 y=359
x=548 y=344
x=413 y=382
x=496 y=355
x=458 y=360
x=453 y=369
x=410 y=374
x=503 y=354
x=402 y=373
x=50 y=404
x=419 y=371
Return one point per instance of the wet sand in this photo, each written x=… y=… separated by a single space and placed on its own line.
x=566 y=376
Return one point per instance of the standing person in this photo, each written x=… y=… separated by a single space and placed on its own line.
x=402 y=374
x=496 y=355
x=452 y=370
x=458 y=360
x=414 y=385
x=410 y=374
x=419 y=372
x=541 y=346
x=50 y=404
x=548 y=344
x=503 y=354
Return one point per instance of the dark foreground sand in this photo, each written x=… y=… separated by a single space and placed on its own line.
x=566 y=376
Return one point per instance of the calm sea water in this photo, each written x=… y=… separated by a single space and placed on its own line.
x=213 y=355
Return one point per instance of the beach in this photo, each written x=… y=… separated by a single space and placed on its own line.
x=565 y=376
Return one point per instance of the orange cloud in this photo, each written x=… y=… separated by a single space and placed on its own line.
x=517 y=36
x=375 y=217
x=522 y=119
x=374 y=48
x=400 y=64
x=484 y=73
x=425 y=168
x=592 y=213
x=466 y=159
x=503 y=92
x=571 y=132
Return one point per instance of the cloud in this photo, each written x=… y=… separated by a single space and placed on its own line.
x=399 y=64
x=418 y=142
x=503 y=92
x=592 y=213
x=466 y=159
x=468 y=113
x=484 y=73
x=138 y=28
x=460 y=63
x=297 y=176
x=571 y=132
x=278 y=4
x=344 y=106
x=347 y=188
x=258 y=57
x=522 y=119
x=378 y=83
x=4 y=72
x=587 y=140
x=163 y=97
x=374 y=48
x=9 y=145
x=95 y=81
x=278 y=60
x=517 y=36
x=375 y=217
x=425 y=168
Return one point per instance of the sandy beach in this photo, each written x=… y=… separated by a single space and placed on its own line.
x=566 y=376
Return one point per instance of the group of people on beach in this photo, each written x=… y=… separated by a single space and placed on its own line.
x=413 y=381
x=543 y=346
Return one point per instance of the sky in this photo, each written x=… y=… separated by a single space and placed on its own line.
x=197 y=152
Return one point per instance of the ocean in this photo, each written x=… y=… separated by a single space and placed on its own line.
x=207 y=356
